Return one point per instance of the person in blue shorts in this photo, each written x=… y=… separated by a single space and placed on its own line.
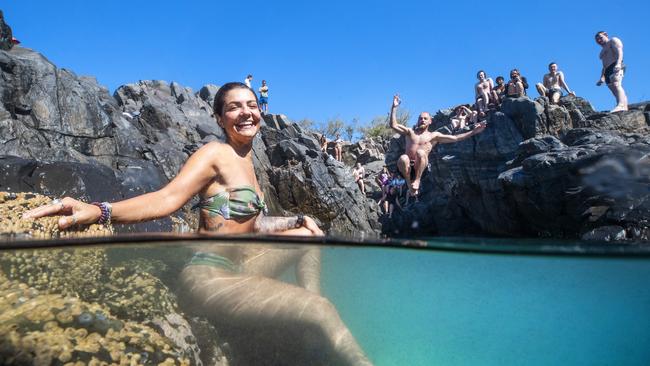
x=264 y=97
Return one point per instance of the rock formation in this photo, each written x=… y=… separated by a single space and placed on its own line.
x=562 y=171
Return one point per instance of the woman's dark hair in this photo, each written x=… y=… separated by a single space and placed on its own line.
x=479 y=73
x=221 y=95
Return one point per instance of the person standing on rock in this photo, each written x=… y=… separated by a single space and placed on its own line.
x=419 y=143
x=248 y=80
x=553 y=84
x=338 y=148
x=613 y=69
x=264 y=97
x=358 y=172
x=234 y=285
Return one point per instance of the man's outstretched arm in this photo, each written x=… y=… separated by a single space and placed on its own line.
x=447 y=139
x=402 y=130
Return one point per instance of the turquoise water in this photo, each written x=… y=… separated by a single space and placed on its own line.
x=409 y=307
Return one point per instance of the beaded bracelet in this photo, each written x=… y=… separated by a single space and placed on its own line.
x=107 y=211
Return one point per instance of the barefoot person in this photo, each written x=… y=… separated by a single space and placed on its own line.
x=499 y=90
x=338 y=148
x=358 y=172
x=553 y=84
x=419 y=142
x=233 y=284
x=483 y=90
x=612 y=72
x=264 y=97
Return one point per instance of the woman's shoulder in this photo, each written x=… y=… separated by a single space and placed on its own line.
x=213 y=147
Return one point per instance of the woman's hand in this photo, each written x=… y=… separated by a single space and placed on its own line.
x=309 y=224
x=73 y=211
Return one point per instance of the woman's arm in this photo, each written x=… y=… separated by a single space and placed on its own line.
x=197 y=173
x=276 y=224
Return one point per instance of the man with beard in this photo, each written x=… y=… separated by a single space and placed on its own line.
x=419 y=142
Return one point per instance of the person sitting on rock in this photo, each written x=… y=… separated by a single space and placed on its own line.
x=463 y=118
x=358 y=172
x=338 y=148
x=515 y=87
x=499 y=90
x=419 y=143
x=552 y=84
x=234 y=284
x=482 y=91
x=613 y=69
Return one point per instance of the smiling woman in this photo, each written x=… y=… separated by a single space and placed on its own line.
x=233 y=282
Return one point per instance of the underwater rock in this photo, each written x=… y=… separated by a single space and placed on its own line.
x=45 y=329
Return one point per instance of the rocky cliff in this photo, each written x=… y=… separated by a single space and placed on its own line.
x=562 y=171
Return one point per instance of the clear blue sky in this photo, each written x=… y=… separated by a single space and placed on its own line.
x=345 y=59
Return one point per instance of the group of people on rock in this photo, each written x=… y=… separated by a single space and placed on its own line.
x=489 y=95
x=262 y=90
x=467 y=121
x=338 y=146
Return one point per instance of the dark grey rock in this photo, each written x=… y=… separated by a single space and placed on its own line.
x=605 y=233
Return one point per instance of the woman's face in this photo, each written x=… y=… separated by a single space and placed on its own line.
x=240 y=117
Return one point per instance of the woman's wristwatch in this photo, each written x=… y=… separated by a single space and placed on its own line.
x=300 y=220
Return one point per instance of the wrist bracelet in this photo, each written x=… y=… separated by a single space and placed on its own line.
x=107 y=212
x=300 y=221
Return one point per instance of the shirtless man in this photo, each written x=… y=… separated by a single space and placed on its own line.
x=482 y=90
x=419 y=143
x=358 y=172
x=612 y=72
x=499 y=90
x=515 y=87
x=553 y=84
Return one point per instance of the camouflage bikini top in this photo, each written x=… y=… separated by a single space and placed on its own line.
x=234 y=203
